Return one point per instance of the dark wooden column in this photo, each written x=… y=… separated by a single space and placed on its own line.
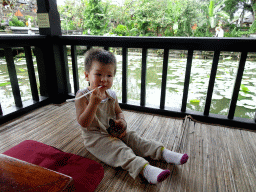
x=48 y=18
x=53 y=58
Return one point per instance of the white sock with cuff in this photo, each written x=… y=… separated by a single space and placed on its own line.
x=155 y=175
x=173 y=157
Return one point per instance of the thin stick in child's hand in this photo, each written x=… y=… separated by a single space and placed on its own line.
x=68 y=100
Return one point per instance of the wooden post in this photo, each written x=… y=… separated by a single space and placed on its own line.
x=143 y=77
x=48 y=18
x=13 y=77
x=124 y=74
x=1 y=111
x=187 y=79
x=54 y=64
x=164 y=78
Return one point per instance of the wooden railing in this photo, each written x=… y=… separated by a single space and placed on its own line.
x=50 y=48
x=7 y=43
x=51 y=54
x=190 y=44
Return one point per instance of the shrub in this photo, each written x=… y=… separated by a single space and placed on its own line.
x=133 y=32
x=253 y=27
x=121 y=30
x=202 y=31
x=16 y=22
x=236 y=33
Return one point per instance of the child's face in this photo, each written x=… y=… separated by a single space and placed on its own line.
x=100 y=75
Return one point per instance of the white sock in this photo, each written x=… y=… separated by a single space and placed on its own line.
x=155 y=175
x=173 y=157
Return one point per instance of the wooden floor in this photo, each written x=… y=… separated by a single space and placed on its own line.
x=221 y=159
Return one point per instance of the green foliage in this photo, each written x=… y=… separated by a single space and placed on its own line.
x=16 y=22
x=2 y=27
x=121 y=30
x=4 y=84
x=151 y=17
x=194 y=101
x=254 y=5
x=95 y=17
x=32 y=19
x=231 y=7
x=72 y=14
x=253 y=27
x=236 y=33
x=216 y=12
x=133 y=32
x=187 y=20
x=202 y=31
x=211 y=8
x=244 y=88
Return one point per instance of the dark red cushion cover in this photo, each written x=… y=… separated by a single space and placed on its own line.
x=86 y=173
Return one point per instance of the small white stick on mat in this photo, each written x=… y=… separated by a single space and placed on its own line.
x=68 y=100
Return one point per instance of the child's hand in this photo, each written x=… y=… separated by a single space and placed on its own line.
x=121 y=124
x=96 y=97
x=117 y=128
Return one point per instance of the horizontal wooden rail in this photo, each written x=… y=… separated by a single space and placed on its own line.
x=8 y=41
x=180 y=43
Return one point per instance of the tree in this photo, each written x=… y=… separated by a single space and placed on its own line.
x=182 y=16
x=95 y=18
x=121 y=14
x=253 y=8
x=151 y=17
x=11 y=6
x=72 y=14
x=232 y=6
x=216 y=12
x=143 y=15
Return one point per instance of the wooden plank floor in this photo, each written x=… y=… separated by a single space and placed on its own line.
x=221 y=159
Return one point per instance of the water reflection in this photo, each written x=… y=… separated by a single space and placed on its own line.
x=6 y=95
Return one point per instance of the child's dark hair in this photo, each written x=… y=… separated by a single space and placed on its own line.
x=101 y=55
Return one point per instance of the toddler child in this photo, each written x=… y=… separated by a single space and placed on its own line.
x=93 y=114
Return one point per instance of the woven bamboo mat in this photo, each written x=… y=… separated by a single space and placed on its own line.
x=221 y=159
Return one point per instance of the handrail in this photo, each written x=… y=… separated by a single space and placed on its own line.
x=7 y=41
x=180 y=43
x=54 y=77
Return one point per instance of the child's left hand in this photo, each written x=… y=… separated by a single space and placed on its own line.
x=121 y=124
x=117 y=128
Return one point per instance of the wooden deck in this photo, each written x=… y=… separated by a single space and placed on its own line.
x=221 y=159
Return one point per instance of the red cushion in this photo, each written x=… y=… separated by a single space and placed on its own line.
x=86 y=173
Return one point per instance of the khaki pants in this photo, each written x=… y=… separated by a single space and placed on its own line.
x=127 y=153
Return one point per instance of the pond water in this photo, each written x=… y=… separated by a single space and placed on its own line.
x=200 y=74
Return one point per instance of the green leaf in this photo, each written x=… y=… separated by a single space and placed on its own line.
x=240 y=97
x=4 y=84
x=194 y=101
x=244 y=88
x=211 y=8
